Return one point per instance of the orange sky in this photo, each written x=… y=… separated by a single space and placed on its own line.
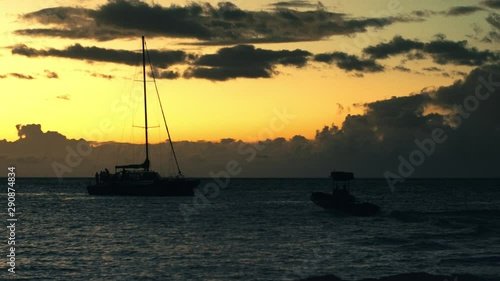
x=77 y=104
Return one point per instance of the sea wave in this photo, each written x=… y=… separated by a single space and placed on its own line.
x=483 y=260
x=415 y=276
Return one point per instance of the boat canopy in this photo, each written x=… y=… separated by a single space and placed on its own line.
x=342 y=176
x=144 y=166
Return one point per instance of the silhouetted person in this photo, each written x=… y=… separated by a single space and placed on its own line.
x=101 y=176
x=96 y=178
x=124 y=174
x=105 y=175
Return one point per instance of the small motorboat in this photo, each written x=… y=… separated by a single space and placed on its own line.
x=341 y=200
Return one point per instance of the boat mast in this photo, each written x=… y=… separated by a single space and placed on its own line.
x=145 y=104
x=163 y=114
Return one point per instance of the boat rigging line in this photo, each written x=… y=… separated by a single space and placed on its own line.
x=162 y=112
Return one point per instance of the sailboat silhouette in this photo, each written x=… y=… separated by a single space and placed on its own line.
x=138 y=179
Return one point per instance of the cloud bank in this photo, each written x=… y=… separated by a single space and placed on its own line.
x=368 y=144
x=349 y=62
x=247 y=61
x=225 y=23
x=163 y=59
x=494 y=4
x=244 y=61
x=442 y=51
x=17 y=75
x=463 y=10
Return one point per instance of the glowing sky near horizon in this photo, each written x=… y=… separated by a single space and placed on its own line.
x=317 y=94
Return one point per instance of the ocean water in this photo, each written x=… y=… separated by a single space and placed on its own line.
x=255 y=229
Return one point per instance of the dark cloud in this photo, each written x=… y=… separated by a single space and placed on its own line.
x=451 y=96
x=493 y=36
x=174 y=21
x=463 y=10
x=162 y=59
x=401 y=68
x=227 y=63
x=226 y=11
x=111 y=21
x=495 y=4
x=60 y=15
x=19 y=76
x=415 y=55
x=165 y=74
x=227 y=141
x=424 y=13
x=103 y=34
x=349 y=62
x=51 y=74
x=248 y=55
x=460 y=73
x=244 y=61
x=101 y=75
x=494 y=20
x=453 y=11
x=400 y=112
x=432 y=68
x=33 y=133
x=64 y=97
x=390 y=127
x=398 y=45
x=75 y=23
x=349 y=26
x=340 y=108
x=476 y=29
x=293 y=4
x=224 y=24
x=33 y=130
x=226 y=73
x=442 y=51
x=445 y=51
x=35 y=150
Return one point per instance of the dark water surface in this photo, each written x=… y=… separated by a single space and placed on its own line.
x=256 y=229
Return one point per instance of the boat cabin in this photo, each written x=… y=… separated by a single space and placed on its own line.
x=341 y=180
x=341 y=184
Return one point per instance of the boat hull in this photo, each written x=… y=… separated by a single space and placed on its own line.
x=162 y=187
x=328 y=201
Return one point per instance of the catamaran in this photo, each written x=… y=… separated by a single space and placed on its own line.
x=139 y=179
